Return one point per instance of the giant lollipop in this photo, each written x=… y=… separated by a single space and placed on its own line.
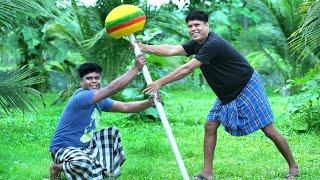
x=125 y=20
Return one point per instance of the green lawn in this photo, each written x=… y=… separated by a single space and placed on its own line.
x=25 y=140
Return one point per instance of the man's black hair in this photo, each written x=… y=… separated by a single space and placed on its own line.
x=87 y=68
x=197 y=15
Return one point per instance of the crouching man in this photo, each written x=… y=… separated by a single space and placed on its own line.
x=77 y=147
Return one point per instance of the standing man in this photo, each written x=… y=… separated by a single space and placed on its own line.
x=242 y=105
x=77 y=147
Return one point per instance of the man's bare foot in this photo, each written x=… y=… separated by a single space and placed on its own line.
x=293 y=172
x=202 y=176
x=54 y=170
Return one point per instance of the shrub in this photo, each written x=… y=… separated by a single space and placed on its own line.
x=304 y=110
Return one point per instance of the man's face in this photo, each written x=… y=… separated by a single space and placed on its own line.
x=198 y=30
x=91 y=81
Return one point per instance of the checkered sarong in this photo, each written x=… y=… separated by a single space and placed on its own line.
x=249 y=112
x=101 y=159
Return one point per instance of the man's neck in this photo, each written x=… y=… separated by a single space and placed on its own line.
x=204 y=39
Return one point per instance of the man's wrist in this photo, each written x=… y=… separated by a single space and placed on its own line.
x=142 y=47
x=136 y=69
x=149 y=102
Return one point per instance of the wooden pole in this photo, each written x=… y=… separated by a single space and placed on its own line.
x=162 y=114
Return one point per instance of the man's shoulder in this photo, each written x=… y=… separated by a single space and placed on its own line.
x=82 y=91
x=213 y=37
x=215 y=40
x=212 y=41
x=81 y=96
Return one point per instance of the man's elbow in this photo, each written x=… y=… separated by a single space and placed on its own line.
x=187 y=70
x=169 y=53
x=125 y=108
x=129 y=108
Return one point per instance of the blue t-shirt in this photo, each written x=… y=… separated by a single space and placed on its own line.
x=78 y=120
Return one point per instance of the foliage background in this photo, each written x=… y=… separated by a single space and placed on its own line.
x=42 y=42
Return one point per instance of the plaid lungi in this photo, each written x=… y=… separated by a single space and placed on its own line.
x=249 y=112
x=101 y=159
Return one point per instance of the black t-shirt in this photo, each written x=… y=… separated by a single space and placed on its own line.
x=225 y=69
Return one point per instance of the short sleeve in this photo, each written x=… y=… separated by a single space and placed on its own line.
x=189 y=47
x=106 y=104
x=208 y=52
x=82 y=98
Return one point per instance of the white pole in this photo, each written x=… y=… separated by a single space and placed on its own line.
x=162 y=114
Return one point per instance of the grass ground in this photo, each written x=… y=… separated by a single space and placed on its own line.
x=25 y=140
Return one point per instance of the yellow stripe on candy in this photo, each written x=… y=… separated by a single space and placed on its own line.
x=121 y=11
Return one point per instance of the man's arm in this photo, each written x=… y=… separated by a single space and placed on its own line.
x=129 y=107
x=119 y=83
x=177 y=74
x=163 y=50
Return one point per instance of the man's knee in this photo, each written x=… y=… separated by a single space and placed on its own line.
x=211 y=126
x=270 y=131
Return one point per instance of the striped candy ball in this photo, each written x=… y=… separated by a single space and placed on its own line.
x=124 y=20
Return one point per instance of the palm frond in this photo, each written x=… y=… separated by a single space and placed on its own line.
x=62 y=31
x=13 y=12
x=89 y=43
x=285 y=12
x=15 y=91
x=308 y=35
x=160 y=19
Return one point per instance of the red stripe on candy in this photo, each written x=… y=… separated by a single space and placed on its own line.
x=126 y=24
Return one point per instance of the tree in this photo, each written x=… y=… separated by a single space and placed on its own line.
x=307 y=36
x=15 y=91
x=289 y=16
x=53 y=38
x=267 y=27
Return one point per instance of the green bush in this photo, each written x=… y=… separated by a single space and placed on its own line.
x=305 y=116
x=304 y=108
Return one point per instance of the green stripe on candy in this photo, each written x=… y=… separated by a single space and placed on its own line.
x=123 y=19
x=126 y=24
